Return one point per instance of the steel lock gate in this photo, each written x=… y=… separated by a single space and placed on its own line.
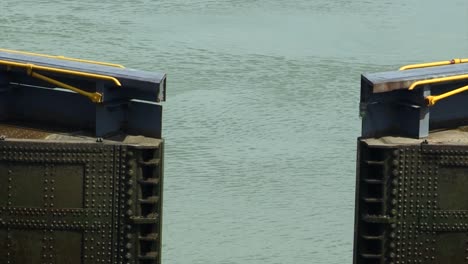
x=80 y=203
x=412 y=204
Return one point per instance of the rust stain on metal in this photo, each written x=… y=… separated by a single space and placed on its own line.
x=11 y=131
x=391 y=86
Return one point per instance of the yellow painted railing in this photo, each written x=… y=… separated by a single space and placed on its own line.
x=433 y=64
x=57 y=70
x=63 y=58
x=439 y=80
x=432 y=100
x=95 y=97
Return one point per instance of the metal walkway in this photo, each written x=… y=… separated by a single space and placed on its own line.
x=103 y=98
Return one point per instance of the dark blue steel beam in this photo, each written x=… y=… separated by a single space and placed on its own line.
x=138 y=122
x=4 y=89
x=74 y=112
x=388 y=108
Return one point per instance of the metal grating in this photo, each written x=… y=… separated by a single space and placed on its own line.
x=80 y=203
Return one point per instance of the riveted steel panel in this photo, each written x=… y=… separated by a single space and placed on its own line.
x=80 y=202
x=4 y=244
x=411 y=203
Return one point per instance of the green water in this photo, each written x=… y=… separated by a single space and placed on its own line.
x=262 y=113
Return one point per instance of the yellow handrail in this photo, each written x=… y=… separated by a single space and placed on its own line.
x=432 y=99
x=94 y=97
x=31 y=67
x=63 y=58
x=438 y=80
x=433 y=64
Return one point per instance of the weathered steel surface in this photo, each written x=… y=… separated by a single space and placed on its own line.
x=387 y=107
x=10 y=131
x=68 y=199
x=411 y=202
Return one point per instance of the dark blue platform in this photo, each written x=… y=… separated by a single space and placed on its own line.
x=131 y=108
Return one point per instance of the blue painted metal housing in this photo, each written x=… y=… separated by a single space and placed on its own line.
x=132 y=108
x=388 y=108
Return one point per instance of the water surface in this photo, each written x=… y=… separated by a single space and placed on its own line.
x=262 y=113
